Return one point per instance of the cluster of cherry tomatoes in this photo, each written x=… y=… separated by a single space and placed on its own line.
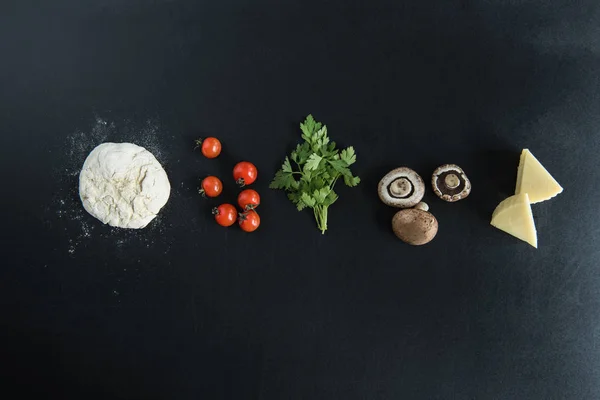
x=244 y=173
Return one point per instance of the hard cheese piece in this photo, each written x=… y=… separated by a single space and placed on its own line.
x=535 y=180
x=514 y=217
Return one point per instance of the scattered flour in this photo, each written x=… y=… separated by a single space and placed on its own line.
x=79 y=226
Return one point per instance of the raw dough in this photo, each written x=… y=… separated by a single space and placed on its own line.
x=123 y=185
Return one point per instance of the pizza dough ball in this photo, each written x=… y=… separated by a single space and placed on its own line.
x=123 y=185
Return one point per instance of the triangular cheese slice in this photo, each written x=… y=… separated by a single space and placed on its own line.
x=535 y=180
x=514 y=217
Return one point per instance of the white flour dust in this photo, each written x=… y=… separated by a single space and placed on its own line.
x=80 y=227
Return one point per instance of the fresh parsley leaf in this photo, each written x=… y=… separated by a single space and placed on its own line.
x=308 y=199
x=286 y=167
x=309 y=127
x=319 y=164
x=317 y=183
x=331 y=198
x=313 y=162
x=301 y=154
x=319 y=138
x=351 y=180
x=295 y=197
x=306 y=174
x=348 y=155
x=284 y=180
x=321 y=194
x=341 y=167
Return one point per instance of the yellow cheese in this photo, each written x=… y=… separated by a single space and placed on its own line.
x=514 y=217
x=535 y=180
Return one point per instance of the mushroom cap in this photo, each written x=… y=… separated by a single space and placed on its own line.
x=414 y=226
x=450 y=183
x=401 y=187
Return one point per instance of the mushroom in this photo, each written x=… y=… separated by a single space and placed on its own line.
x=415 y=226
x=402 y=188
x=450 y=183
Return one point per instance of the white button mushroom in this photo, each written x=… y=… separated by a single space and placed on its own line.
x=402 y=188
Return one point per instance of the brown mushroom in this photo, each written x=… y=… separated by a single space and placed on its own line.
x=402 y=188
x=450 y=183
x=415 y=226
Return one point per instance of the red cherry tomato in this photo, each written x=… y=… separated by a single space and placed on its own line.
x=210 y=147
x=225 y=214
x=245 y=173
x=211 y=186
x=248 y=199
x=249 y=221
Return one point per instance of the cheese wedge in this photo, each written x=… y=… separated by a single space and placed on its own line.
x=514 y=217
x=535 y=180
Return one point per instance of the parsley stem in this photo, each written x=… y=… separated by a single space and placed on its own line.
x=334 y=181
x=321 y=217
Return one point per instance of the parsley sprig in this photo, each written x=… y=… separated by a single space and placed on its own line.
x=318 y=165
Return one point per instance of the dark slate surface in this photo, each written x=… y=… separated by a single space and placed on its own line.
x=187 y=310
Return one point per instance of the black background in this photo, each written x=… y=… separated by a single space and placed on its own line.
x=185 y=309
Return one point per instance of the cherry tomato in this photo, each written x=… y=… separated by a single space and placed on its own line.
x=211 y=186
x=248 y=199
x=225 y=214
x=244 y=173
x=210 y=147
x=249 y=221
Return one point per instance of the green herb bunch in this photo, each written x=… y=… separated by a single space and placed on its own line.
x=317 y=167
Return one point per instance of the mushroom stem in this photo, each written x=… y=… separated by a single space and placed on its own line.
x=452 y=181
x=400 y=187
x=422 y=206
